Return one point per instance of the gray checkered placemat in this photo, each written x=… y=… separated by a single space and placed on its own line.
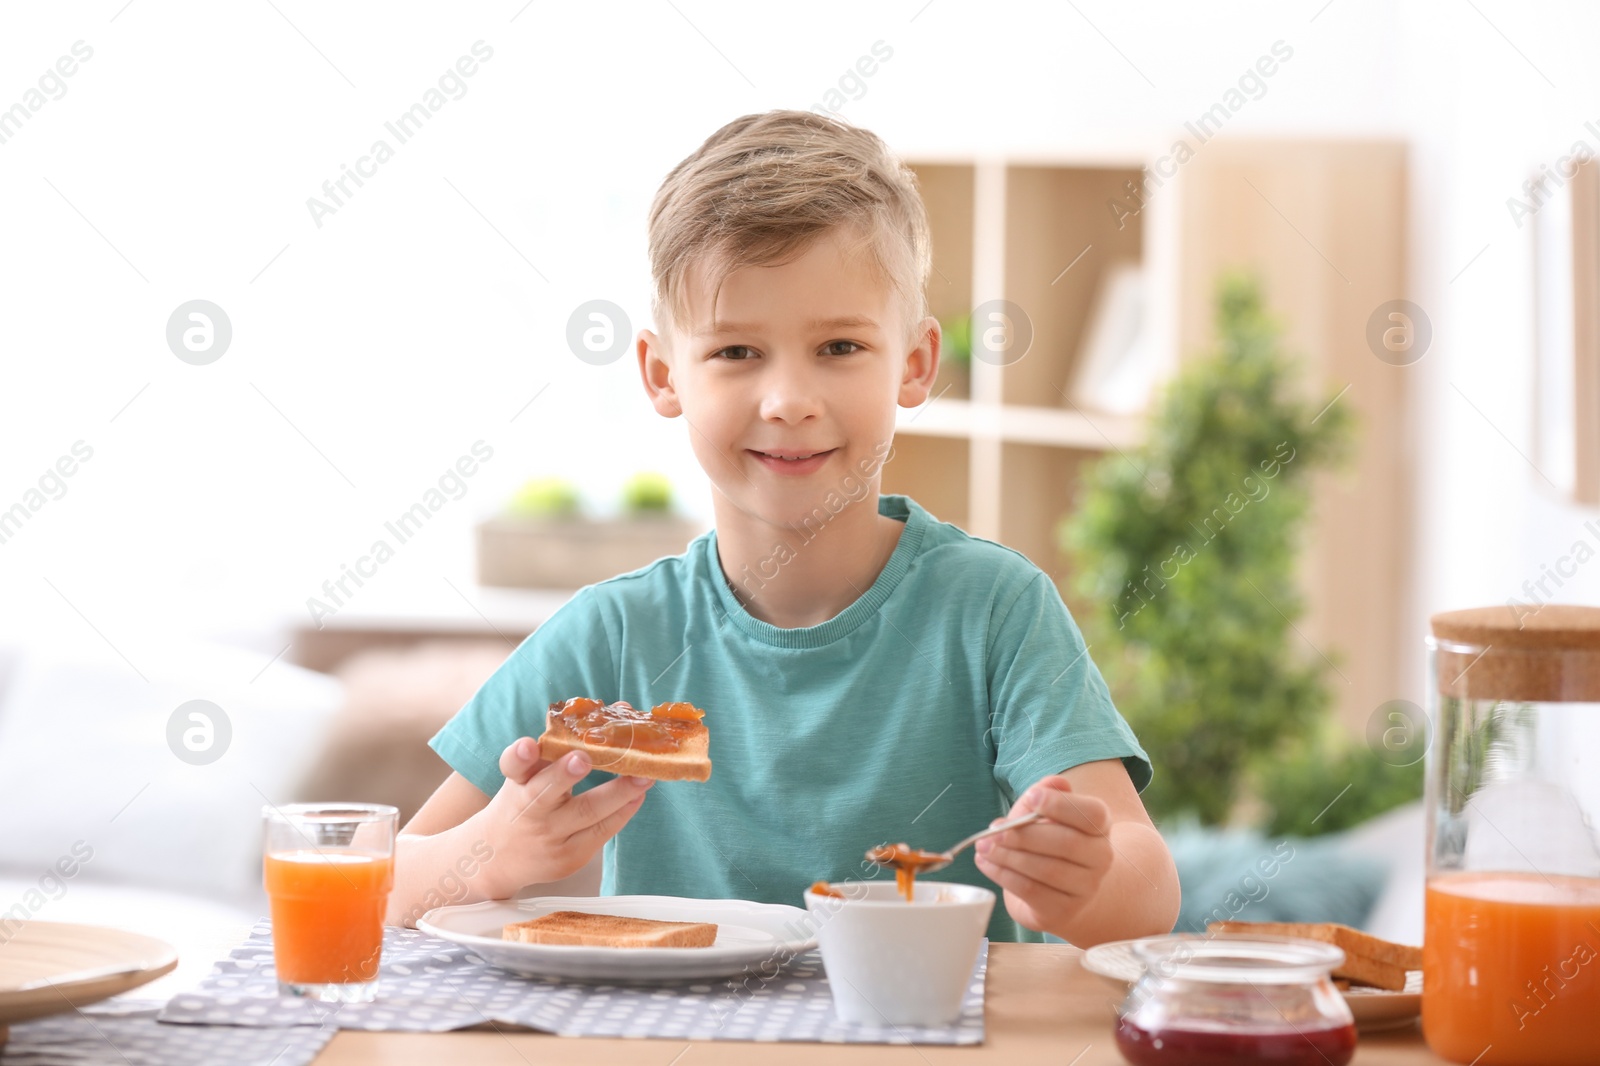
x=129 y=1035
x=431 y=985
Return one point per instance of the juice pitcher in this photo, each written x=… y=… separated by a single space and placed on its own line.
x=1511 y=951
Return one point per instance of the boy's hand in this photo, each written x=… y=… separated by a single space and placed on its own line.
x=539 y=830
x=1050 y=869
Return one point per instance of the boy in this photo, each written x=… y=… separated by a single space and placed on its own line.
x=869 y=674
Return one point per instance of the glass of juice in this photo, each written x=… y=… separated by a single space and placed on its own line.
x=1511 y=942
x=328 y=869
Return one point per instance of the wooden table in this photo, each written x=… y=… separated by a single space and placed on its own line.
x=1043 y=1007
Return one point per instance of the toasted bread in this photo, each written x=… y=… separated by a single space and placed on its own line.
x=1361 y=970
x=1368 y=959
x=690 y=761
x=610 y=931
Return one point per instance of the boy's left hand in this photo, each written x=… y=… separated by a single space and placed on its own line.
x=1050 y=869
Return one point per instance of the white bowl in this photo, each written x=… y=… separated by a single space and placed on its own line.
x=891 y=962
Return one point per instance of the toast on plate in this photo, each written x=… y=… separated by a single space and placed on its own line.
x=610 y=931
x=1368 y=960
x=668 y=742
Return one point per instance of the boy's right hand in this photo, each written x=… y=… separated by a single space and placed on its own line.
x=539 y=830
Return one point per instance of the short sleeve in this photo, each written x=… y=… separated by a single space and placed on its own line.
x=569 y=655
x=1050 y=708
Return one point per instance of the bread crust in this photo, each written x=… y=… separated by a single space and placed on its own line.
x=691 y=762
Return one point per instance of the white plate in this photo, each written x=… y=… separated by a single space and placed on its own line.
x=748 y=934
x=50 y=967
x=1373 y=1008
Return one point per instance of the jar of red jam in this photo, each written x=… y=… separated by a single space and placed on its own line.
x=1221 y=1000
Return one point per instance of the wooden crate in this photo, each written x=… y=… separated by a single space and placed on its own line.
x=571 y=553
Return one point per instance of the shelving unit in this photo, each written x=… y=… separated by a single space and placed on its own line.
x=1322 y=224
x=1022 y=424
x=1002 y=448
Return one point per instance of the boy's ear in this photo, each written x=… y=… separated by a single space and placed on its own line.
x=656 y=372
x=922 y=364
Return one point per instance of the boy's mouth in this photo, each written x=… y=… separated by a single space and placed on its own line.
x=792 y=462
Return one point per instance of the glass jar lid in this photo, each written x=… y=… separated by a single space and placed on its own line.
x=1553 y=627
x=1236 y=959
x=1523 y=653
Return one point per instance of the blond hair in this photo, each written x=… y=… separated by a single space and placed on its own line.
x=761 y=189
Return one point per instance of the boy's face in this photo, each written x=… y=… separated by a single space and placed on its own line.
x=790 y=387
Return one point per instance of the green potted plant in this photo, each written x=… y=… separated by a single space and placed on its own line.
x=547 y=498
x=647 y=494
x=543 y=538
x=1184 y=554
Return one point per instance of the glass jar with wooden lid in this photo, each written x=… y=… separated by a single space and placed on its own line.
x=1511 y=949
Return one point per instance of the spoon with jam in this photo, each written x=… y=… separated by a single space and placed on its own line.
x=907 y=862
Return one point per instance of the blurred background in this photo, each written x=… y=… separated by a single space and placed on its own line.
x=317 y=449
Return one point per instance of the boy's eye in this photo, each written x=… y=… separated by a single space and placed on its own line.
x=735 y=352
x=833 y=347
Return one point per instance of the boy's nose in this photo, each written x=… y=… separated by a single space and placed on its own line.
x=790 y=394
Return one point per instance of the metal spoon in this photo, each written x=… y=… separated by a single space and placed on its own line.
x=938 y=860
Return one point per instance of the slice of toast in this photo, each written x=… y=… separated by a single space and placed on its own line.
x=690 y=762
x=1368 y=959
x=1364 y=971
x=1353 y=941
x=610 y=931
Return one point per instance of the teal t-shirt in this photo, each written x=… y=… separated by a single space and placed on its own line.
x=918 y=714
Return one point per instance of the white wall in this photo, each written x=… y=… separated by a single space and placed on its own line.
x=1492 y=104
x=406 y=328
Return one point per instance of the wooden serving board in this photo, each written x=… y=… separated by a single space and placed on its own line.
x=50 y=967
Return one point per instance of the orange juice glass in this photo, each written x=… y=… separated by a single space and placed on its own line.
x=1511 y=944
x=328 y=870
x=1513 y=962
